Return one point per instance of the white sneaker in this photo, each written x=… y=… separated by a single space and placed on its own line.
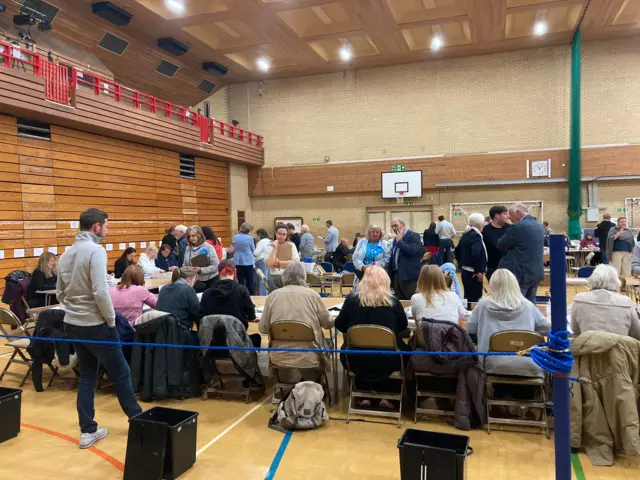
x=88 y=439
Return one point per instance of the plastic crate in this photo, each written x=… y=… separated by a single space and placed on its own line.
x=161 y=444
x=10 y=403
x=432 y=455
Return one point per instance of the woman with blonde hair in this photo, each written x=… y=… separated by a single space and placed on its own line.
x=434 y=300
x=130 y=295
x=504 y=308
x=43 y=278
x=374 y=304
x=198 y=247
x=370 y=250
x=147 y=261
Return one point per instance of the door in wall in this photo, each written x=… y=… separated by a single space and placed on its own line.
x=420 y=221
x=376 y=218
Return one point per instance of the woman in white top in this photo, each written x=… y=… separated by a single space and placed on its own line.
x=277 y=265
x=260 y=253
x=434 y=300
x=147 y=261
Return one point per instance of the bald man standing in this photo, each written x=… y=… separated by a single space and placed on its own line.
x=523 y=246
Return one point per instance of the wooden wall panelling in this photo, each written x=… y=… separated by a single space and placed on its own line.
x=47 y=184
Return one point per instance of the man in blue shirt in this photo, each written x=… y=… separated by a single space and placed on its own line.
x=330 y=240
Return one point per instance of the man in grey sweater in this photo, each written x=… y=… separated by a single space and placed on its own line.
x=83 y=292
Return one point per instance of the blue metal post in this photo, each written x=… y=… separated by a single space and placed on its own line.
x=561 y=392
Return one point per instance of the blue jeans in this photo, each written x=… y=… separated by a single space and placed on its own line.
x=262 y=289
x=90 y=357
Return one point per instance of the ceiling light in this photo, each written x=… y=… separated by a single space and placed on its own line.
x=437 y=42
x=175 y=5
x=263 y=64
x=540 y=28
x=345 y=53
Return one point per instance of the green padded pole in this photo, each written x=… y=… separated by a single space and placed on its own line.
x=574 y=208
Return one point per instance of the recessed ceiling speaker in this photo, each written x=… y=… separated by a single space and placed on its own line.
x=207 y=87
x=111 y=13
x=214 y=68
x=40 y=9
x=173 y=46
x=22 y=19
x=167 y=69
x=114 y=44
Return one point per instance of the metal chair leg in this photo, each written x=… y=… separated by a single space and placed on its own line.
x=350 y=399
x=26 y=375
x=401 y=398
x=6 y=367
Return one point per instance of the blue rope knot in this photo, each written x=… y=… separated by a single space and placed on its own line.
x=553 y=356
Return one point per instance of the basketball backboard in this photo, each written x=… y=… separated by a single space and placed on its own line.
x=405 y=184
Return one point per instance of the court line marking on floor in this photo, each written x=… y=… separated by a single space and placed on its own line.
x=577 y=467
x=232 y=426
x=104 y=455
x=271 y=473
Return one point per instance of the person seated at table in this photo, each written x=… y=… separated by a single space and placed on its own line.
x=228 y=297
x=274 y=260
x=449 y=270
x=505 y=308
x=166 y=259
x=602 y=308
x=340 y=256
x=374 y=304
x=588 y=241
x=127 y=258
x=179 y=297
x=294 y=301
x=130 y=295
x=434 y=299
x=43 y=278
x=197 y=246
x=211 y=239
x=146 y=261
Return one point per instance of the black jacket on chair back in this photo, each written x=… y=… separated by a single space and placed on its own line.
x=162 y=372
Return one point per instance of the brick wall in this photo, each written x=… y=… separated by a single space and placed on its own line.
x=350 y=212
x=517 y=100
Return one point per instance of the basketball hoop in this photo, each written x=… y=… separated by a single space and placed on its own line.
x=400 y=197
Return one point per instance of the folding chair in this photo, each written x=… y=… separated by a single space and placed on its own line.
x=431 y=393
x=515 y=341
x=302 y=335
x=349 y=267
x=314 y=281
x=347 y=281
x=585 y=272
x=20 y=345
x=326 y=266
x=374 y=337
x=263 y=279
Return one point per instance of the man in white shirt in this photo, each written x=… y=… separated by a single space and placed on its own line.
x=330 y=240
x=445 y=230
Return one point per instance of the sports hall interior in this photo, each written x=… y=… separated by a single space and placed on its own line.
x=259 y=110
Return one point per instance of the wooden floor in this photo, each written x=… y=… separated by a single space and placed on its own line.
x=235 y=443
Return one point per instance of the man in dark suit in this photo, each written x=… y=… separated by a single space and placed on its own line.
x=602 y=234
x=523 y=245
x=404 y=264
x=472 y=257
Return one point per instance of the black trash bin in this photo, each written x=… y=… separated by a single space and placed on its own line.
x=432 y=455
x=161 y=444
x=10 y=402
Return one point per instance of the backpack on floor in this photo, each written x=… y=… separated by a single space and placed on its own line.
x=302 y=408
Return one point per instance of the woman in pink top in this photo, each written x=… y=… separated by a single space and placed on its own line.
x=130 y=295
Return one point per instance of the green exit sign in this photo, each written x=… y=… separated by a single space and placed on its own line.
x=621 y=210
x=398 y=168
x=316 y=219
x=408 y=204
